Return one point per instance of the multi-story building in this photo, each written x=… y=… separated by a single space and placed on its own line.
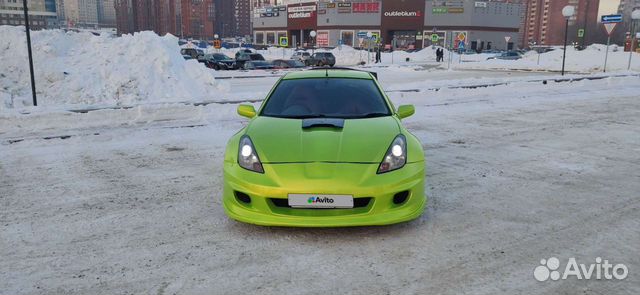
x=243 y=15
x=197 y=18
x=106 y=13
x=42 y=13
x=545 y=24
x=81 y=13
x=160 y=16
x=225 y=23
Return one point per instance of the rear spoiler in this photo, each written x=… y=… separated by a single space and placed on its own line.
x=374 y=74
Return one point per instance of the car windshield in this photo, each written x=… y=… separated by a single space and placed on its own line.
x=256 y=56
x=326 y=97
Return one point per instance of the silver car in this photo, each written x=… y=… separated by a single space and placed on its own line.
x=510 y=55
x=301 y=56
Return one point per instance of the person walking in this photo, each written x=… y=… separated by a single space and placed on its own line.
x=378 y=55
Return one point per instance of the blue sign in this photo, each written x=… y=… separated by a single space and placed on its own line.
x=613 y=18
x=461 y=45
x=362 y=34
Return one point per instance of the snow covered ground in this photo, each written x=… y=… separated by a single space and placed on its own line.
x=109 y=193
x=128 y=200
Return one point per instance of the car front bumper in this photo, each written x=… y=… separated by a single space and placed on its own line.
x=373 y=194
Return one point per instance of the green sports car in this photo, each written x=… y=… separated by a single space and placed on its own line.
x=326 y=148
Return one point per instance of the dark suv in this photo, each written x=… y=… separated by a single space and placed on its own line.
x=193 y=52
x=244 y=57
x=321 y=59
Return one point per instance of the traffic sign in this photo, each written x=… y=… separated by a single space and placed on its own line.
x=217 y=44
x=580 y=33
x=612 y=18
x=609 y=27
x=507 y=39
x=462 y=36
x=461 y=45
x=435 y=37
x=283 y=41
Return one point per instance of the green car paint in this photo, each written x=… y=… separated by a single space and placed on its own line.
x=324 y=161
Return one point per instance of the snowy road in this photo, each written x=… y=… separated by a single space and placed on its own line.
x=128 y=201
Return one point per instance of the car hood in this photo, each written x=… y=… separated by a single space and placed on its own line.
x=280 y=140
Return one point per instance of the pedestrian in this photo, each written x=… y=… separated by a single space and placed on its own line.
x=378 y=55
x=438 y=54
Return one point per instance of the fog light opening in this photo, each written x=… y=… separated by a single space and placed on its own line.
x=400 y=197
x=242 y=197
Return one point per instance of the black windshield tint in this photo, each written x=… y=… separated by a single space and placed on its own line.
x=326 y=97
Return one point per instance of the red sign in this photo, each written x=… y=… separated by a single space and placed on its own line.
x=322 y=39
x=366 y=7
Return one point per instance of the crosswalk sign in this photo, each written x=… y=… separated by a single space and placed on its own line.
x=283 y=41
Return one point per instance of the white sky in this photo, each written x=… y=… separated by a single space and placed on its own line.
x=608 y=7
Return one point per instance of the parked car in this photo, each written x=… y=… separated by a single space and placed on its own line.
x=301 y=55
x=193 y=52
x=243 y=51
x=287 y=64
x=187 y=57
x=219 y=61
x=511 y=55
x=243 y=57
x=321 y=59
x=257 y=65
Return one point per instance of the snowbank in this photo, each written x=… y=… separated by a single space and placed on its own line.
x=591 y=59
x=81 y=68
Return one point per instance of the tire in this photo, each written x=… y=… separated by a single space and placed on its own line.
x=216 y=67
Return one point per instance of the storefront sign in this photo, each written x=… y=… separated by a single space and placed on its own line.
x=322 y=11
x=307 y=8
x=366 y=7
x=481 y=4
x=344 y=7
x=439 y=10
x=322 y=39
x=403 y=13
x=300 y=15
x=456 y=10
x=331 y=5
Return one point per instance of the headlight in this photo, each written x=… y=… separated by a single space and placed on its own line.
x=247 y=156
x=396 y=155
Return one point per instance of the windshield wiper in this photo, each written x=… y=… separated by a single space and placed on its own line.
x=373 y=115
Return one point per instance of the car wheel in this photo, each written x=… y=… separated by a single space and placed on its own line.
x=216 y=67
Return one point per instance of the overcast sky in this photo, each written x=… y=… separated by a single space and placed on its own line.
x=608 y=7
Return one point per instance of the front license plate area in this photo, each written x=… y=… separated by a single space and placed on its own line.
x=320 y=201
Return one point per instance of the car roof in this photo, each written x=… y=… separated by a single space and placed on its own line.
x=331 y=73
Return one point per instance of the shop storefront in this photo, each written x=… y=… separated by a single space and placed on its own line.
x=406 y=24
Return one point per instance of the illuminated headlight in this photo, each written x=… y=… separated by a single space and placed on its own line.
x=247 y=156
x=396 y=155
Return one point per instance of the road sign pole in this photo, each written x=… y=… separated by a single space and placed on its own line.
x=606 y=55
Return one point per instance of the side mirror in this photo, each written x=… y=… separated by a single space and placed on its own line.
x=406 y=111
x=246 y=110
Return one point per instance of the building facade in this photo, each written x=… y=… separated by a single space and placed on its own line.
x=42 y=13
x=408 y=24
x=106 y=13
x=81 y=13
x=545 y=24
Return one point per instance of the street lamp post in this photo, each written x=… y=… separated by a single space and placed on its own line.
x=26 y=24
x=635 y=16
x=313 y=41
x=369 y=35
x=567 y=12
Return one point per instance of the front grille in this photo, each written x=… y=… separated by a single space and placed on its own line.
x=357 y=203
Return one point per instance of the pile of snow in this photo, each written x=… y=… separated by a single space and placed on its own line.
x=81 y=68
x=591 y=59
